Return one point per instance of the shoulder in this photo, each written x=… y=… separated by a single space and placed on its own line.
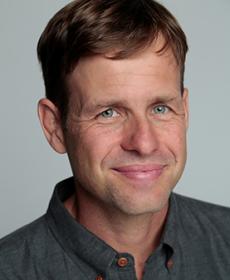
x=27 y=234
x=203 y=218
x=25 y=244
x=202 y=237
x=202 y=209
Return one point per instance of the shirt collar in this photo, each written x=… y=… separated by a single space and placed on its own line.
x=85 y=245
x=74 y=236
x=170 y=233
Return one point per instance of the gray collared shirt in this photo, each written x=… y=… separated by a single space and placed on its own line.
x=195 y=245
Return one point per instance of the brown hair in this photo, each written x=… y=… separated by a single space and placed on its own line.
x=87 y=27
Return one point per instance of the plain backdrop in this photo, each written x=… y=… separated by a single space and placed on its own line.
x=29 y=169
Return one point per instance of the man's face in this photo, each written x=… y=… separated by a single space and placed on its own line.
x=126 y=131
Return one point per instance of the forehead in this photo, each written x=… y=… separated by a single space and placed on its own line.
x=101 y=76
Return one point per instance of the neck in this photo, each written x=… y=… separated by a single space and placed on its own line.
x=137 y=235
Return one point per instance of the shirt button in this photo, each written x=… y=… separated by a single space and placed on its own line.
x=99 y=277
x=122 y=262
x=169 y=263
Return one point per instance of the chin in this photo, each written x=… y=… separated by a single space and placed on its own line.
x=135 y=204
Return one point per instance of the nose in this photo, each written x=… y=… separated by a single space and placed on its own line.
x=140 y=136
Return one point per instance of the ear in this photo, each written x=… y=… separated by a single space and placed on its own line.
x=51 y=124
x=186 y=106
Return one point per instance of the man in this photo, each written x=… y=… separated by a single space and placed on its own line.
x=116 y=103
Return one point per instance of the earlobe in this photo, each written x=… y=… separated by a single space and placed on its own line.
x=186 y=106
x=51 y=124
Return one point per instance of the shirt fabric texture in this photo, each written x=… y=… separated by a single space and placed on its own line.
x=195 y=245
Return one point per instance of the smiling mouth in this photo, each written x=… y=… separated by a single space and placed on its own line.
x=141 y=172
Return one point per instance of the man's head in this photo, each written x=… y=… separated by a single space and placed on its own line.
x=113 y=72
x=86 y=27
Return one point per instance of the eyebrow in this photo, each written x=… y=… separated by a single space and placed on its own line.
x=95 y=106
x=164 y=99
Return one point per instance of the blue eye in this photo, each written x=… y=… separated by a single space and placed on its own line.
x=160 y=109
x=109 y=113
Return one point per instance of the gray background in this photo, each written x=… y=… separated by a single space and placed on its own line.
x=29 y=168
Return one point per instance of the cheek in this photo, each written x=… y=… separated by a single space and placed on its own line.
x=94 y=145
x=174 y=137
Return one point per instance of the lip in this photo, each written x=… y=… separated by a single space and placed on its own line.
x=141 y=172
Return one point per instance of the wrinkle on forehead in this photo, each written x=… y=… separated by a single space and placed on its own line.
x=98 y=76
x=87 y=65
